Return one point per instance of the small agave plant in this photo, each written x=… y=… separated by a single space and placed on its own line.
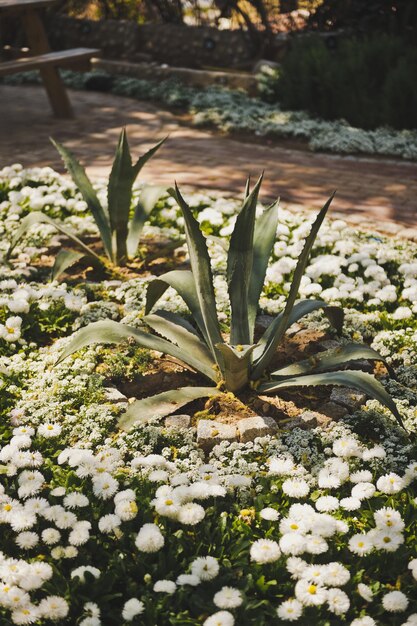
x=119 y=234
x=240 y=362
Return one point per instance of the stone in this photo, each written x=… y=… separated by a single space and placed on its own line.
x=264 y=63
x=333 y=410
x=178 y=421
x=258 y=426
x=349 y=398
x=114 y=396
x=306 y=421
x=210 y=433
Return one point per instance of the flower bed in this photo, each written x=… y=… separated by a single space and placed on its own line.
x=108 y=527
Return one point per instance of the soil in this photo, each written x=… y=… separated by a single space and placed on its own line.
x=167 y=373
x=156 y=256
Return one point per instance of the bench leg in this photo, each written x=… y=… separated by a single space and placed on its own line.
x=57 y=94
x=54 y=85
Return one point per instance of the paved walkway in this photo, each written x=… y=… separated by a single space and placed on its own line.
x=382 y=193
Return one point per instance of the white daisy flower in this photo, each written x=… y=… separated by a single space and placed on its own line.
x=205 y=567
x=149 y=538
x=290 y=610
x=395 y=601
x=228 y=598
x=265 y=551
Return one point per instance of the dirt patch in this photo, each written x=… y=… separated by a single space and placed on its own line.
x=155 y=257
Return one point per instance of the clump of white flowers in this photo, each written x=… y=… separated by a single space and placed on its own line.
x=101 y=526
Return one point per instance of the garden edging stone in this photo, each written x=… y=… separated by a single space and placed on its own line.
x=258 y=426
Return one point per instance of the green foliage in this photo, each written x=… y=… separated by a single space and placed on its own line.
x=124 y=364
x=370 y=82
x=239 y=363
x=119 y=230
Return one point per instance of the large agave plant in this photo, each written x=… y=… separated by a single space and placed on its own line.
x=119 y=234
x=240 y=362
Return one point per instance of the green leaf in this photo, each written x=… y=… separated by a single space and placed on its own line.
x=107 y=331
x=236 y=365
x=336 y=317
x=366 y=383
x=329 y=360
x=141 y=162
x=177 y=330
x=184 y=284
x=83 y=183
x=239 y=268
x=148 y=198
x=201 y=269
x=119 y=195
x=64 y=259
x=302 y=308
x=274 y=339
x=165 y=403
x=37 y=217
x=264 y=239
x=247 y=188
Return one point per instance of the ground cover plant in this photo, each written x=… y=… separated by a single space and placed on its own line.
x=234 y=111
x=101 y=526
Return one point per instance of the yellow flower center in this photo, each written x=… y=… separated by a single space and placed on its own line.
x=312 y=589
x=294 y=526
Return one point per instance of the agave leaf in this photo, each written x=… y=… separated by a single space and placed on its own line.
x=37 y=217
x=107 y=331
x=184 y=284
x=247 y=188
x=165 y=403
x=302 y=308
x=148 y=198
x=141 y=162
x=236 y=365
x=263 y=243
x=239 y=268
x=366 y=383
x=275 y=338
x=329 y=360
x=64 y=259
x=83 y=183
x=177 y=330
x=119 y=194
x=201 y=269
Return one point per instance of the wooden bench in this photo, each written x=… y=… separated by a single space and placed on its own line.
x=65 y=57
x=41 y=57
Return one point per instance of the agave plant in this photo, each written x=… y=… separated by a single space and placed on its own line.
x=119 y=234
x=240 y=362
